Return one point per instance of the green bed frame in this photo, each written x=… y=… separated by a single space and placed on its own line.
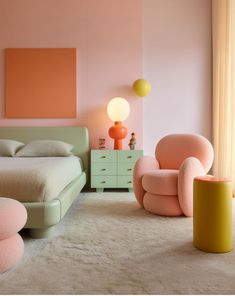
x=43 y=216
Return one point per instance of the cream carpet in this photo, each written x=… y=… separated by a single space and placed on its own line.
x=106 y=244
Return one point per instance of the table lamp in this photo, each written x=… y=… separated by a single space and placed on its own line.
x=118 y=110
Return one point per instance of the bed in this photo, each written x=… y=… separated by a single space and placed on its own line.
x=44 y=214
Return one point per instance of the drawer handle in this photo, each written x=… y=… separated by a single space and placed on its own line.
x=129 y=169
x=103 y=182
x=103 y=156
x=129 y=182
x=103 y=169
x=129 y=156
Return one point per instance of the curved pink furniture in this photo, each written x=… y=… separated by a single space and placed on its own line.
x=13 y=217
x=164 y=185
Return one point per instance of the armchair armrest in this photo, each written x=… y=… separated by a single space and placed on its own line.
x=189 y=169
x=142 y=166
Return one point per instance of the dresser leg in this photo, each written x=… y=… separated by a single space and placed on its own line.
x=99 y=189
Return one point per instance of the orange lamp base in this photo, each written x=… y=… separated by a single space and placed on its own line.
x=118 y=132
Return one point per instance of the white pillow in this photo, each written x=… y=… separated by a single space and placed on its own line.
x=42 y=148
x=9 y=147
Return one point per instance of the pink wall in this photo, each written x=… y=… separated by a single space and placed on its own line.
x=108 y=38
x=172 y=38
x=177 y=61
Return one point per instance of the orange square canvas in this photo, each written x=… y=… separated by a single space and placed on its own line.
x=40 y=83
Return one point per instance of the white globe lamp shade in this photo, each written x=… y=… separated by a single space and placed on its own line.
x=118 y=109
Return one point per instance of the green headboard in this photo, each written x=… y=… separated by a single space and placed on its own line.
x=75 y=135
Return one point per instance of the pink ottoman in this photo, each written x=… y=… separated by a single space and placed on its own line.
x=13 y=217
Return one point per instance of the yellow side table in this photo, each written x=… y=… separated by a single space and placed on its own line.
x=212 y=214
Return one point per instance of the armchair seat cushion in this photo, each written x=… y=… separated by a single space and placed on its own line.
x=13 y=216
x=163 y=205
x=161 y=182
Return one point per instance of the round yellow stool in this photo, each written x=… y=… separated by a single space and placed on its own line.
x=212 y=214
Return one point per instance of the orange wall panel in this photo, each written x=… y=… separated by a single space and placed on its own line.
x=40 y=83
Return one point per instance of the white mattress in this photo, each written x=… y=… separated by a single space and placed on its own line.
x=37 y=179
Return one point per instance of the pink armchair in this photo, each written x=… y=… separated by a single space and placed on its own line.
x=164 y=185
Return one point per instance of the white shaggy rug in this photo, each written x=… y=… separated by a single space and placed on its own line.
x=106 y=244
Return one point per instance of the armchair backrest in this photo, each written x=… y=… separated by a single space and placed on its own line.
x=173 y=149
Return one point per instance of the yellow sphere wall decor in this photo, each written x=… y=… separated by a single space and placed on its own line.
x=141 y=87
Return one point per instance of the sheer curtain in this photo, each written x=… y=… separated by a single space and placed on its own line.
x=223 y=29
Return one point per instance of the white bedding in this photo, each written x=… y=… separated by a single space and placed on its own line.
x=37 y=179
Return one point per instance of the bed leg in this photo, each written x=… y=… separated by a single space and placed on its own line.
x=42 y=232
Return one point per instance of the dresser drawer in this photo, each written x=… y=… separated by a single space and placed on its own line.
x=125 y=168
x=129 y=155
x=103 y=181
x=106 y=168
x=103 y=156
x=124 y=182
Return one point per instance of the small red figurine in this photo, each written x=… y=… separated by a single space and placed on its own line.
x=132 y=141
x=101 y=143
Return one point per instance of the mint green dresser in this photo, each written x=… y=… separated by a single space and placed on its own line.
x=113 y=168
